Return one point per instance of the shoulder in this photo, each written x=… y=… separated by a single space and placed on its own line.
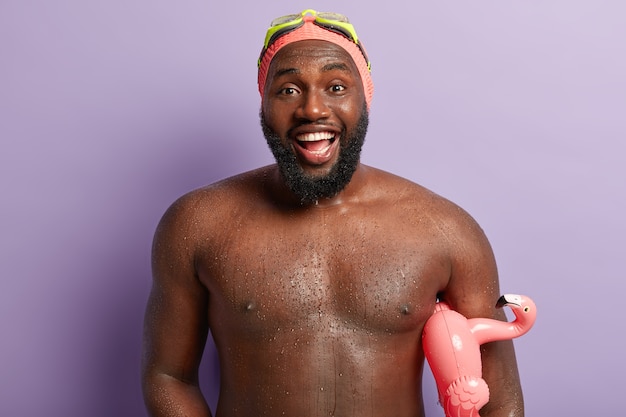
x=225 y=193
x=406 y=196
x=204 y=209
x=409 y=194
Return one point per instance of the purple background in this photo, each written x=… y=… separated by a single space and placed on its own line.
x=110 y=110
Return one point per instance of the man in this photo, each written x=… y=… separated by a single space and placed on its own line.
x=315 y=275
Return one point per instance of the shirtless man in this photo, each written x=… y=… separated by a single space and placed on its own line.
x=316 y=275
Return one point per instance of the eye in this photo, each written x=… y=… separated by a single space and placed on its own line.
x=337 y=88
x=288 y=91
x=526 y=309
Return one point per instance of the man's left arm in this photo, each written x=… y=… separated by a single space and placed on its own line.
x=473 y=291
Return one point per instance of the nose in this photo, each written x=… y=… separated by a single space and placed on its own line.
x=313 y=107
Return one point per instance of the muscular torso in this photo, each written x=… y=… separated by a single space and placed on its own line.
x=321 y=308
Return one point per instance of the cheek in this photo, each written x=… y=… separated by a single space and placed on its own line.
x=276 y=120
x=266 y=110
x=271 y=115
x=274 y=106
x=349 y=106
x=349 y=111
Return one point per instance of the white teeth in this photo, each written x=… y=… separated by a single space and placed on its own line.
x=314 y=137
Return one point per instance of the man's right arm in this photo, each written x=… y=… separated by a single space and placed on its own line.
x=175 y=324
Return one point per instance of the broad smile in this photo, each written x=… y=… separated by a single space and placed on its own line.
x=316 y=148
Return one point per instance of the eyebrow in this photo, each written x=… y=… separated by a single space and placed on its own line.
x=336 y=66
x=285 y=71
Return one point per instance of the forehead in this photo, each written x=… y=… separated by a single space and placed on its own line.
x=316 y=53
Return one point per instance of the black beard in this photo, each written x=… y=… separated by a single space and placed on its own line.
x=311 y=189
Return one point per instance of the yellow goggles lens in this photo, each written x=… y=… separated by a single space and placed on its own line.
x=332 y=21
x=328 y=20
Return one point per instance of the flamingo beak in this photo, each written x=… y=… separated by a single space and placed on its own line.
x=509 y=299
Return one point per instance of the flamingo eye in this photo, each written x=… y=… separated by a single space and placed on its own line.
x=526 y=309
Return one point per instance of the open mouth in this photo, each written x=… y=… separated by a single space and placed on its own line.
x=317 y=143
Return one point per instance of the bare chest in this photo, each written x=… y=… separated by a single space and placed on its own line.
x=350 y=273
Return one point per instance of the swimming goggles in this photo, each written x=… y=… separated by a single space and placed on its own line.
x=334 y=22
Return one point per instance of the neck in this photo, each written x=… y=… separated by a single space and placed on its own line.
x=284 y=196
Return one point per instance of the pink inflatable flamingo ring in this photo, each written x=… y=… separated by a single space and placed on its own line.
x=452 y=348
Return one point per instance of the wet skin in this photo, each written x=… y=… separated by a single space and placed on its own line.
x=317 y=309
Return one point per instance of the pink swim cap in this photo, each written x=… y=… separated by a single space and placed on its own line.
x=310 y=31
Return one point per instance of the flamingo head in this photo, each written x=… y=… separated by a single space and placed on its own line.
x=523 y=307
